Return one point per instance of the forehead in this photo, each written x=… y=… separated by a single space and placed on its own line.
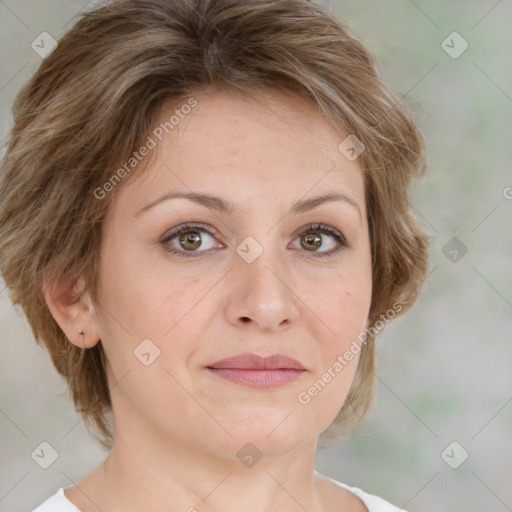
x=269 y=146
x=276 y=120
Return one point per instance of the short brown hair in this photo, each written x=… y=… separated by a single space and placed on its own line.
x=92 y=101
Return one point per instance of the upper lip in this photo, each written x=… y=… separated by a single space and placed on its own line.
x=255 y=362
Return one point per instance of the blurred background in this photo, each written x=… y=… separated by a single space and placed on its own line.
x=439 y=435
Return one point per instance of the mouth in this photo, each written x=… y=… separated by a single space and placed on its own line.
x=253 y=371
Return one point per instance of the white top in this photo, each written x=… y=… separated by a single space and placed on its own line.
x=59 y=503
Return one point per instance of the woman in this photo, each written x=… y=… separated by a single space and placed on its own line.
x=206 y=220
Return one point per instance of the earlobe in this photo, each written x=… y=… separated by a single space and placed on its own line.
x=71 y=308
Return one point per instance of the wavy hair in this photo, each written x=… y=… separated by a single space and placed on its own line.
x=93 y=100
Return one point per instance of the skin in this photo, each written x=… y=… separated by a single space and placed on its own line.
x=178 y=428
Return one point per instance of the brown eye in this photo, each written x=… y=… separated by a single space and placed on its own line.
x=317 y=236
x=190 y=241
x=311 y=242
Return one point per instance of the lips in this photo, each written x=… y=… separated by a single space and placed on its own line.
x=255 y=362
x=253 y=371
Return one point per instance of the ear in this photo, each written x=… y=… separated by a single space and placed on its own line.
x=72 y=309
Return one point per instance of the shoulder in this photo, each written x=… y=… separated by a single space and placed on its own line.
x=372 y=502
x=375 y=503
x=57 y=503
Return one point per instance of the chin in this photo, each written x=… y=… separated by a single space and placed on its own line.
x=272 y=433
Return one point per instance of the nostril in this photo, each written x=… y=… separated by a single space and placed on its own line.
x=245 y=319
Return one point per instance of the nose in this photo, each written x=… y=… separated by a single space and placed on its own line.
x=262 y=295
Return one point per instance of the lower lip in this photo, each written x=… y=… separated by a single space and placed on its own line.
x=260 y=379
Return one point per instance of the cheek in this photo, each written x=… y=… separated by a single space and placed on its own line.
x=142 y=300
x=324 y=394
x=350 y=315
x=138 y=296
x=343 y=308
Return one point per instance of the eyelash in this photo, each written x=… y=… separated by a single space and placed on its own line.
x=317 y=228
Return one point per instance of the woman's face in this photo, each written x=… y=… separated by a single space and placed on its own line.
x=257 y=279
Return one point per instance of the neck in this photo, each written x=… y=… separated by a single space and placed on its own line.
x=157 y=477
x=150 y=470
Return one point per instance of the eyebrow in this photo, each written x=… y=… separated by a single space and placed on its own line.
x=223 y=206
